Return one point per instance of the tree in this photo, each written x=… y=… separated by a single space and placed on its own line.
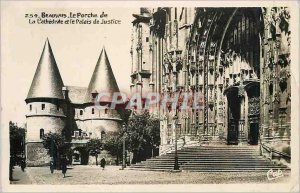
x=94 y=147
x=113 y=144
x=142 y=135
x=153 y=133
x=17 y=146
x=17 y=142
x=57 y=146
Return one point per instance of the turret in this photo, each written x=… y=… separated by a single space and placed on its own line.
x=101 y=121
x=45 y=104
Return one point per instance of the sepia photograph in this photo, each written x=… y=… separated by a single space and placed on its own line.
x=121 y=97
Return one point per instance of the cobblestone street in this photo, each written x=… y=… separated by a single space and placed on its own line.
x=112 y=175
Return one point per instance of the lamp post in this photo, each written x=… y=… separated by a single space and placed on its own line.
x=124 y=149
x=176 y=63
x=176 y=166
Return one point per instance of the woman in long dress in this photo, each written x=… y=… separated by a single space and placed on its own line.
x=64 y=166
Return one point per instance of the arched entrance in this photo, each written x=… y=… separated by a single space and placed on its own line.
x=241 y=58
x=243 y=113
x=80 y=156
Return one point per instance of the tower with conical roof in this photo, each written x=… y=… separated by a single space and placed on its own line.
x=45 y=106
x=71 y=111
x=101 y=121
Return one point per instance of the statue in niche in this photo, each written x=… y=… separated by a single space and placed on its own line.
x=166 y=63
x=178 y=63
x=276 y=99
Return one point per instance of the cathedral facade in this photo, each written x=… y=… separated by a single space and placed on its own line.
x=237 y=59
x=53 y=107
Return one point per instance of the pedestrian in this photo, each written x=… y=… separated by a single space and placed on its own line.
x=23 y=165
x=64 y=166
x=103 y=163
x=52 y=166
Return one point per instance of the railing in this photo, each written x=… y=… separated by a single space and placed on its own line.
x=272 y=151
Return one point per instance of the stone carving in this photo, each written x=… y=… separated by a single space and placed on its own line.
x=284 y=75
x=276 y=99
x=167 y=63
x=175 y=28
x=253 y=106
x=241 y=91
x=178 y=62
x=277 y=22
x=228 y=57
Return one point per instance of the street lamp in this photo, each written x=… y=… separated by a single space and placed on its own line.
x=176 y=166
x=124 y=150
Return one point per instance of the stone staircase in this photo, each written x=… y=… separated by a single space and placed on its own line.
x=220 y=158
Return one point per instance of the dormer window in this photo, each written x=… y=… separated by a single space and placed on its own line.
x=43 y=106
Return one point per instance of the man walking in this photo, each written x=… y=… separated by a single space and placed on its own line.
x=23 y=164
x=64 y=166
x=52 y=166
x=103 y=163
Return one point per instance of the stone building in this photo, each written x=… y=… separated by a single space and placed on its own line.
x=67 y=110
x=237 y=59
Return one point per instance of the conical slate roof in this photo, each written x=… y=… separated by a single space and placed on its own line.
x=47 y=82
x=103 y=79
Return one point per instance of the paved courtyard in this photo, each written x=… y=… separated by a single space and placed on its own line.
x=112 y=175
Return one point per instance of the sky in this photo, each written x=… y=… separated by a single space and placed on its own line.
x=76 y=49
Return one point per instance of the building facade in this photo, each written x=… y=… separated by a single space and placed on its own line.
x=236 y=59
x=67 y=110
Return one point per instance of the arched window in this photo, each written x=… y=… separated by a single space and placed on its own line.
x=81 y=112
x=93 y=111
x=42 y=133
x=105 y=111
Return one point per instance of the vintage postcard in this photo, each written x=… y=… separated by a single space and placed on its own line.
x=170 y=96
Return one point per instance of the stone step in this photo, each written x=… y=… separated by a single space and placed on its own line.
x=230 y=170
x=211 y=158
x=208 y=166
x=199 y=150
x=208 y=161
x=213 y=154
x=180 y=156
